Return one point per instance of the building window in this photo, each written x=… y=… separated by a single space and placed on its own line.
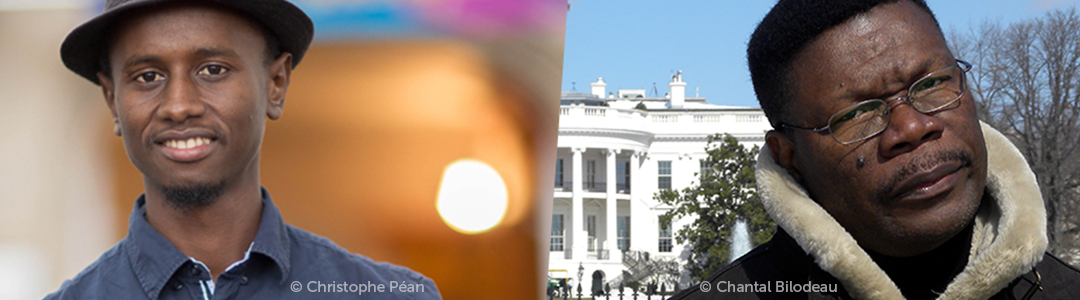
x=559 y=173
x=590 y=227
x=664 y=175
x=622 y=175
x=557 y=232
x=624 y=233
x=590 y=174
x=705 y=168
x=665 y=236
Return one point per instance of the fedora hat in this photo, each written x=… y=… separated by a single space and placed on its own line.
x=83 y=47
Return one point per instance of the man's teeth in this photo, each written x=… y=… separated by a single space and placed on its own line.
x=187 y=144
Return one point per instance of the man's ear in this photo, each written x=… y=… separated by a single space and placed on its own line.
x=783 y=151
x=278 y=82
x=110 y=99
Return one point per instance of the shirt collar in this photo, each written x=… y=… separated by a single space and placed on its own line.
x=154 y=259
x=272 y=239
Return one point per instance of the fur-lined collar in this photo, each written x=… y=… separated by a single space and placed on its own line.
x=1009 y=236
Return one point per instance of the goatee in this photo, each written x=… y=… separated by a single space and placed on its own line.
x=186 y=198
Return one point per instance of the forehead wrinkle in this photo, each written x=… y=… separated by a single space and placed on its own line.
x=892 y=76
x=216 y=51
x=899 y=72
x=879 y=71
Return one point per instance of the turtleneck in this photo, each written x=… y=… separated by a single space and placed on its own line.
x=926 y=275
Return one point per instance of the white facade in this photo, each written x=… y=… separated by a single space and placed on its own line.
x=600 y=139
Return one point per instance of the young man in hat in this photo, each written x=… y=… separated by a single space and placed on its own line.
x=190 y=85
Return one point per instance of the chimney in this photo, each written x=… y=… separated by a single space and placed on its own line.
x=678 y=91
x=598 y=87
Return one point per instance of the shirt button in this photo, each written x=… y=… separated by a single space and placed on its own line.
x=195 y=270
x=243 y=279
x=178 y=286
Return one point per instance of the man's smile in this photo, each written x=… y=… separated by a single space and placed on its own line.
x=186 y=146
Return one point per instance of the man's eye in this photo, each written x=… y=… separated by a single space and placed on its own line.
x=212 y=70
x=932 y=82
x=851 y=114
x=846 y=117
x=858 y=112
x=149 y=77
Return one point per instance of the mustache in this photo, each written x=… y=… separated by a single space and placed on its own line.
x=922 y=163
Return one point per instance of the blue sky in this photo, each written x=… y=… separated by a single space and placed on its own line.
x=633 y=44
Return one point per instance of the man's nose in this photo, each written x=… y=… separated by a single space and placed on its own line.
x=908 y=129
x=181 y=100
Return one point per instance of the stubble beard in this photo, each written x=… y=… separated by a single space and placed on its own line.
x=188 y=197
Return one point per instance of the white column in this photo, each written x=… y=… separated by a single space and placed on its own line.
x=636 y=160
x=610 y=215
x=577 y=215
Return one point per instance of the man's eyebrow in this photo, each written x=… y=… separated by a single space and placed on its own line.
x=201 y=52
x=141 y=59
x=215 y=51
x=923 y=69
x=927 y=67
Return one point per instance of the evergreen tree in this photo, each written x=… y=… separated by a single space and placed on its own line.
x=724 y=194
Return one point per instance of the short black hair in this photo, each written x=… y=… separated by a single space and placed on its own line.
x=273 y=47
x=782 y=35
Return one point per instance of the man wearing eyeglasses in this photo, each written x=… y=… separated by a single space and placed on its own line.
x=882 y=180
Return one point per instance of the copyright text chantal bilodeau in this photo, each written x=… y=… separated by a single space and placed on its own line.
x=768 y=287
x=358 y=288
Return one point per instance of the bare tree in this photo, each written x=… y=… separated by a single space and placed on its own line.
x=1026 y=82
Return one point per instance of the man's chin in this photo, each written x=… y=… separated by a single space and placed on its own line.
x=917 y=233
x=191 y=196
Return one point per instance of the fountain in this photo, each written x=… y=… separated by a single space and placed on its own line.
x=740 y=240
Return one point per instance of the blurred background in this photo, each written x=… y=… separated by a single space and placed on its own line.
x=416 y=132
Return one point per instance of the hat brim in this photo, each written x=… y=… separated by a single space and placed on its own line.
x=83 y=48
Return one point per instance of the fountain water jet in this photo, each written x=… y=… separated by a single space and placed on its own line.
x=740 y=240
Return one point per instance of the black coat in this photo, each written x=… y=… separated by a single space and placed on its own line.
x=1000 y=255
x=782 y=260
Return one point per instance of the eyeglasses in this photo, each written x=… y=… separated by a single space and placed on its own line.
x=932 y=93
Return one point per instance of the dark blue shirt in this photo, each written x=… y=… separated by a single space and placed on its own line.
x=283 y=262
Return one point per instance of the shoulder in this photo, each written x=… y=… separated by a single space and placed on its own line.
x=751 y=276
x=102 y=279
x=1058 y=278
x=317 y=258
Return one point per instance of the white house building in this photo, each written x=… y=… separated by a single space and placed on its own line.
x=615 y=151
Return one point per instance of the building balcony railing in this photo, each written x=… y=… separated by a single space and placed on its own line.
x=564 y=187
x=599 y=254
x=595 y=187
x=602 y=117
x=739 y=121
x=595 y=254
